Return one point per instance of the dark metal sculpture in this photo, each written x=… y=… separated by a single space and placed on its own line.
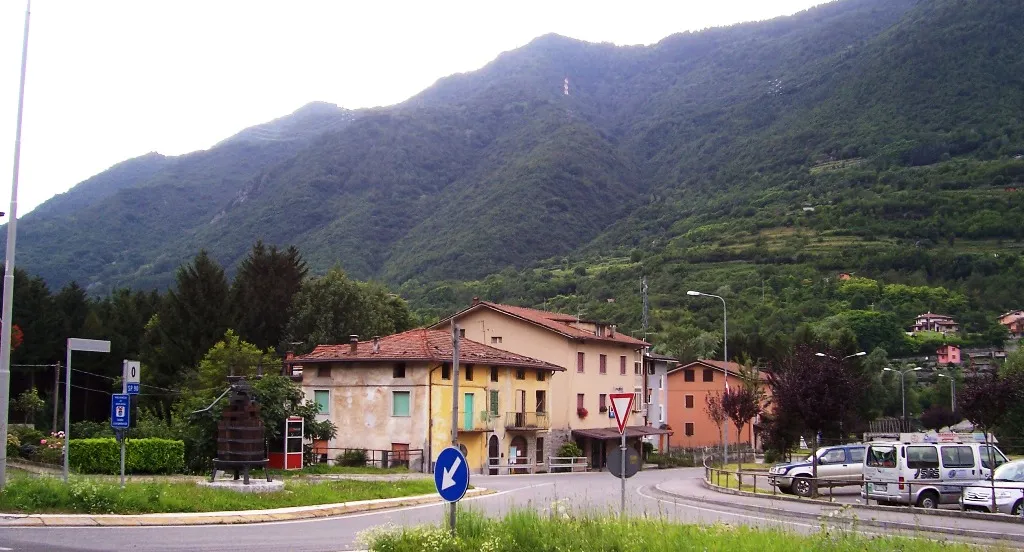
x=241 y=443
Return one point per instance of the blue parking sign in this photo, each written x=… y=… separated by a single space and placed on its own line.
x=120 y=407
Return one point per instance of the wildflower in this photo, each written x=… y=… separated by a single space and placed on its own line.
x=42 y=441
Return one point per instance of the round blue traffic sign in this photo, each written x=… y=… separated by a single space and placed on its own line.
x=451 y=474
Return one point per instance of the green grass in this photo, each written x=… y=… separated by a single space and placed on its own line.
x=529 y=530
x=96 y=496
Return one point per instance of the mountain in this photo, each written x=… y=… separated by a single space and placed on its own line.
x=861 y=124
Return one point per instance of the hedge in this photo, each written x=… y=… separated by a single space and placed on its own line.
x=141 y=456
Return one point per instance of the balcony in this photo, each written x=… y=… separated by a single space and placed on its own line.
x=527 y=421
x=475 y=421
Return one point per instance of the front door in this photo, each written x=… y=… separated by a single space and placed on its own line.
x=467 y=415
x=492 y=453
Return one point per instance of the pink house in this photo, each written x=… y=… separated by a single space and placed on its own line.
x=948 y=354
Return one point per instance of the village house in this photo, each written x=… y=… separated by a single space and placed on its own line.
x=394 y=394
x=931 y=322
x=657 y=403
x=1014 y=322
x=689 y=386
x=598 y=361
x=948 y=354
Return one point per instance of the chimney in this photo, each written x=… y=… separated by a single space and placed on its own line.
x=376 y=344
x=611 y=330
x=476 y=300
x=353 y=342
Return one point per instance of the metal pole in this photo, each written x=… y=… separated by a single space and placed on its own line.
x=7 y=316
x=622 y=473
x=67 y=409
x=725 y=367
x=952 y=394
x=455 y=408
x=121 y=432
x=903 y=398
x=56 y=394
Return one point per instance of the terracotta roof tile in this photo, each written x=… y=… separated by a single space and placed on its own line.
x=559 y=322
x=424 y=345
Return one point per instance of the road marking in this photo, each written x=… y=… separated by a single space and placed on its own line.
x=704 y=509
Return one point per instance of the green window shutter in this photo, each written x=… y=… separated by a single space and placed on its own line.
x=494 y=403
x=323 y=401
x=400 y=403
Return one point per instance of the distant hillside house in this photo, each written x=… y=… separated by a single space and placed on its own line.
x=394 y=394
x=1014 y=322
x=948 y=354
x=931 y=322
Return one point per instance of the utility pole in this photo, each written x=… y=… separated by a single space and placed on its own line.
x=7 y=316
x=56 y=394
x=455 y=408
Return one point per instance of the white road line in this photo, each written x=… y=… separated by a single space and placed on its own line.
x=704 y=509
x=383 y=511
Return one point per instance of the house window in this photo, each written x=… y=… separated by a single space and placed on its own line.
x=579 y=362
x=650 y=369
x=494 y=403
x=399 y=370
x=637 y=403
x=661 y=413
x=462 y=332
x=542 y=400
x=469 y=372
x=661 y=382
x=709 y=374
x=495 y=339
x=541 y=375
x=622 y=365
x=400 y=403
x=540 y=450
x=638 y=368
x=602 y=402
x=579 y=401
x=602 y=362
x=323 y=371
x=520 y=373
x=446 y=371
x=689 y=401
x=494 y=373
x=688 y=376
x=323 y=401
x=648 y=401
x=688 y=429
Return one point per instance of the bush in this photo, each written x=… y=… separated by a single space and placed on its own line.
x=27 y=435
x=50 y=449
x=141 y=456
x=13 y=445
x=87 y=429
x=569 y=449
x=352 y=458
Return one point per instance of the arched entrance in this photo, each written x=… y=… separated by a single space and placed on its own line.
x=492 y=453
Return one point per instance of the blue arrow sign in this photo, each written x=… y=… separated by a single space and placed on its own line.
x=451 y=474
x=120 y=406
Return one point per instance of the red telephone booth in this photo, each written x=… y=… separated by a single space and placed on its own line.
x=291 y=458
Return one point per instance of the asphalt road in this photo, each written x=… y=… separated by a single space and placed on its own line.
x=674 y=494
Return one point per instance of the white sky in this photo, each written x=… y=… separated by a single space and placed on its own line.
x=109 y=80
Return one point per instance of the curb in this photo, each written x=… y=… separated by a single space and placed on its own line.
x=974 y=533
x=222 y=518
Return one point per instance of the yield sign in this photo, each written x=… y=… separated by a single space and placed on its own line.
x=622 y=403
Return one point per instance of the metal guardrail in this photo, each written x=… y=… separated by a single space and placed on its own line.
x=522 y=466
x=735 y=479
x=568 y=464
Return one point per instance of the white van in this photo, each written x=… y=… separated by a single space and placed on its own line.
x=925 y=474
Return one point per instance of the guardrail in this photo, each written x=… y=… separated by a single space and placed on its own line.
x=912 y=493
x=563 y=464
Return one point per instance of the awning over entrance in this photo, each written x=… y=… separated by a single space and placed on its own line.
x=607 y=434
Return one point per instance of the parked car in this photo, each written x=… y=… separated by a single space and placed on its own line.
x=925 y=474
x=1008 y=481
x=837 y=466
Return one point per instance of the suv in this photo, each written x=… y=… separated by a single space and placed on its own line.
x=837 y=466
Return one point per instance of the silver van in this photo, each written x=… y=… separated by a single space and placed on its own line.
x=925 y=474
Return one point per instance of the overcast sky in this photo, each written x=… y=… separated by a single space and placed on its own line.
x=111 y=80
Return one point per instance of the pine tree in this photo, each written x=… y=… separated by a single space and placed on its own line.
x=263 y=291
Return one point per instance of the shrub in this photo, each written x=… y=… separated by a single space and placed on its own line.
x=50 y=449
x=356 y=457
x=13 y=445
x=569 y=449
x=141 y=456
x=27 y=435
x=88 y=429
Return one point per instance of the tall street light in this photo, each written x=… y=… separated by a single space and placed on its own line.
x=903 y=389
x=725 y=366
x=952 y=390
x=862 y=353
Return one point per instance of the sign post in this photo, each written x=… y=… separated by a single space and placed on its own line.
x=622 y=403
x=120 y=415
x=455 y=431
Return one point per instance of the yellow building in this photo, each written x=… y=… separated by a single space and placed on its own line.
x=394 y=394
x=597 y=361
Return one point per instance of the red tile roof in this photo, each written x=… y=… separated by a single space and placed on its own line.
x=423 y=345
x=554 y=321
x=734 y=368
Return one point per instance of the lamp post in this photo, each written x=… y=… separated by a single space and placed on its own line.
x=903 y=390
x=952 y=391
x=725 y=366
x=862 y=353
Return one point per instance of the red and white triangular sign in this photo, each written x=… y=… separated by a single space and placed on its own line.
x=622 y=404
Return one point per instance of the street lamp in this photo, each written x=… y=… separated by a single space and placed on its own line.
x=903 y=390
x=952 y=390
x=862 y=353
x=725 y=366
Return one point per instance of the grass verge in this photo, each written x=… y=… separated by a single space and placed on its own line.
x=82 y=495
x=530 y=530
